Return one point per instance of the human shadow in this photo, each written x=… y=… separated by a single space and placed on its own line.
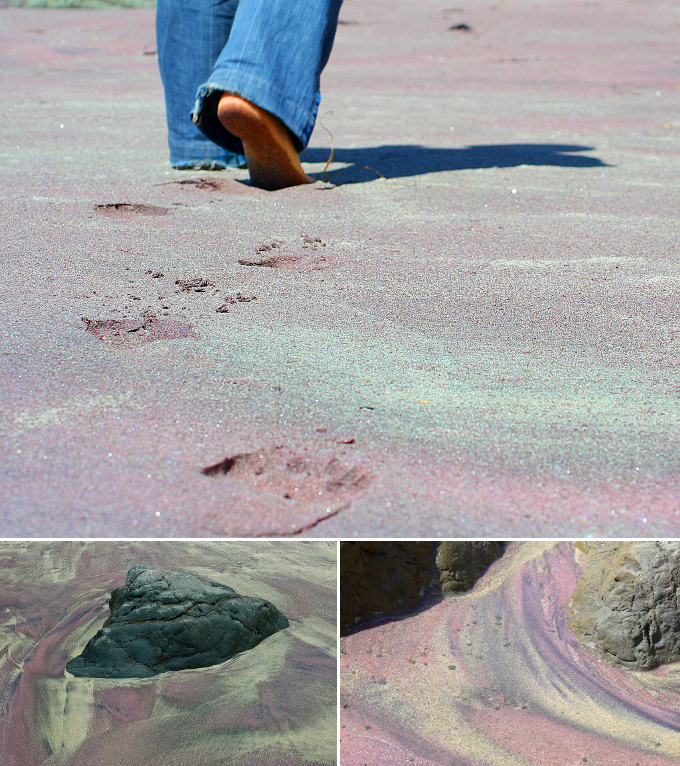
x=399 y=161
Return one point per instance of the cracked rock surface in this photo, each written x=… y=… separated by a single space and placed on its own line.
x=383 y=578
x=626 y=605
x=379 y=578
x=164 y=621
x=461 y=562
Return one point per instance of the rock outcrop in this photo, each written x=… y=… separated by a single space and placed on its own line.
x=460 y=562
x=164 y=621
x=626 y=606
x=380 y=579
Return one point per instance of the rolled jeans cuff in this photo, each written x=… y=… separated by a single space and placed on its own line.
x=299 y=121
x=203 y=155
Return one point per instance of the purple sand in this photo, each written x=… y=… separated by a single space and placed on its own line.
x=484 y=342
x=268 y=705
x=494 y=676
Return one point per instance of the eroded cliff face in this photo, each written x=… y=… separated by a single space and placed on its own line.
x=461 y=562
x=626 y=606
x=387 y=578
x=380 y=578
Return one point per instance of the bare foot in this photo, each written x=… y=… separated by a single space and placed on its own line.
x=273 y=161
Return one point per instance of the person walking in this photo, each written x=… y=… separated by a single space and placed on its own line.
x=249 y=73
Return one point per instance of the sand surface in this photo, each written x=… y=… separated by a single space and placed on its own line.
x=271 y=706
x=470 y=329
x=493 y=677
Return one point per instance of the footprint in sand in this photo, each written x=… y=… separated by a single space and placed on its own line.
x=131 y=333
x=305 y=256
x=125 y=209
x=311 y=475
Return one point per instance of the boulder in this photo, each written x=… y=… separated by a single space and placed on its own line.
x=626 y=606
x=460 y=562
x=164 y=621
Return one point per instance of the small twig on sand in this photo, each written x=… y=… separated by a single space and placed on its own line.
x=330 y=158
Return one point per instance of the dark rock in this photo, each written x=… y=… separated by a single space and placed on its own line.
x=381 y=578
x=626 y=606
x=460 y=563
x=386 y=578
x=172 y=621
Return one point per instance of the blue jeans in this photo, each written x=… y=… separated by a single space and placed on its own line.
x=271 y=52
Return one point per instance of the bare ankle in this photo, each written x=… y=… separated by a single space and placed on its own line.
x=268 y=145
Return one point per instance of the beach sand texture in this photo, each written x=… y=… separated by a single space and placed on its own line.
x=274 y=704
x=470 y=330
x=493 y=677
